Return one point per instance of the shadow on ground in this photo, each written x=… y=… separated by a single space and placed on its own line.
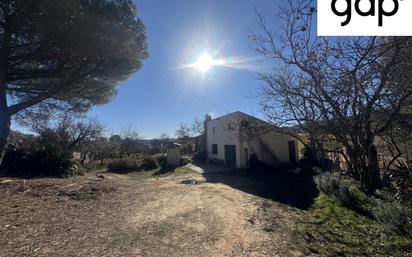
x=279 y=185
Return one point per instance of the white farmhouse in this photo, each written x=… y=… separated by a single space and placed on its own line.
x=233 y=138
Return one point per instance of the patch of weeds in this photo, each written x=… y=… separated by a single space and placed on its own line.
x=394 y=217
x=183 y=171
x=345 y=192
x=95 y=165
x=148 y=163
x=122 y=166
x=333 y=230
x=141 y=175
x=173 y=171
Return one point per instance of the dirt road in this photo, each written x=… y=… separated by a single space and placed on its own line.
x=137 y=215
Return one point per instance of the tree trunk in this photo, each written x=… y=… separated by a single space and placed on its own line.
x=370 y=179
x=4 y=117
x=83 y=158
x=4 y=109
x=374 y=179
x=4 y=132
x=355 y=167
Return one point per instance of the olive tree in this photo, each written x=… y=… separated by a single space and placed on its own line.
x=64 y=55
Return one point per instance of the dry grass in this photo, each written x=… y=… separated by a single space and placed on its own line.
x=139 y=216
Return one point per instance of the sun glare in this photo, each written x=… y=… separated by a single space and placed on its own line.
x=204 y=63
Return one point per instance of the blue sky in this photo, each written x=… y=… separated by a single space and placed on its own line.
x=160 y=96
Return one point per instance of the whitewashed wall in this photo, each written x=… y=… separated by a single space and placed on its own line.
x=222 y=136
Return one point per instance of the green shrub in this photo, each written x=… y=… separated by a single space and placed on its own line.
x=333 y=230
x=44 y=161
x=346 y=194
x=162 y=160
x=394 y=217
x=329 y=182
x=123 y=166
x=148 y=163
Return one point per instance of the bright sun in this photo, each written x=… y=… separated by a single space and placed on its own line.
x=204 y=63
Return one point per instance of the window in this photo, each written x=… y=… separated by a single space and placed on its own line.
x=214 y=149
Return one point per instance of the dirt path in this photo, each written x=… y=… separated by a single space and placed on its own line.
x=140 y=216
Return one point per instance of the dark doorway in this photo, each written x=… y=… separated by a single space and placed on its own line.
x=230 y=156
x=292 y=151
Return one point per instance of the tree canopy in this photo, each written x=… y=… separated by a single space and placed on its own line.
x=65 y=55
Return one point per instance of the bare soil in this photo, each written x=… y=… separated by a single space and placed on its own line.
x=139 y=215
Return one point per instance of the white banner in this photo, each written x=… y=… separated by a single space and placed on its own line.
x=364 y=18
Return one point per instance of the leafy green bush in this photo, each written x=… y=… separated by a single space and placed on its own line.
x=162 y=160
x=123 y=166
x=394 y=217
x=148 y=163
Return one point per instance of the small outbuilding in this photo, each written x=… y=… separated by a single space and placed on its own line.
x=174 y=154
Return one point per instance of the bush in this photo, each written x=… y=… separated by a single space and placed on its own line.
x=123 y=166
x=185 y=160
x=42 y=162
x=329 y=182
x=394 y=217
x=400 y=180
x=148 y=163
x=162 y=160
x=347 y=195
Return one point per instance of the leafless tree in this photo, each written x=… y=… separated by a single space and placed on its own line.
x=197 y=127
x=183 y=131
x=103 y=148
x=164 y=139
x=163 y=136
x=69 y=134
x=130 y=141
x=343 y=92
